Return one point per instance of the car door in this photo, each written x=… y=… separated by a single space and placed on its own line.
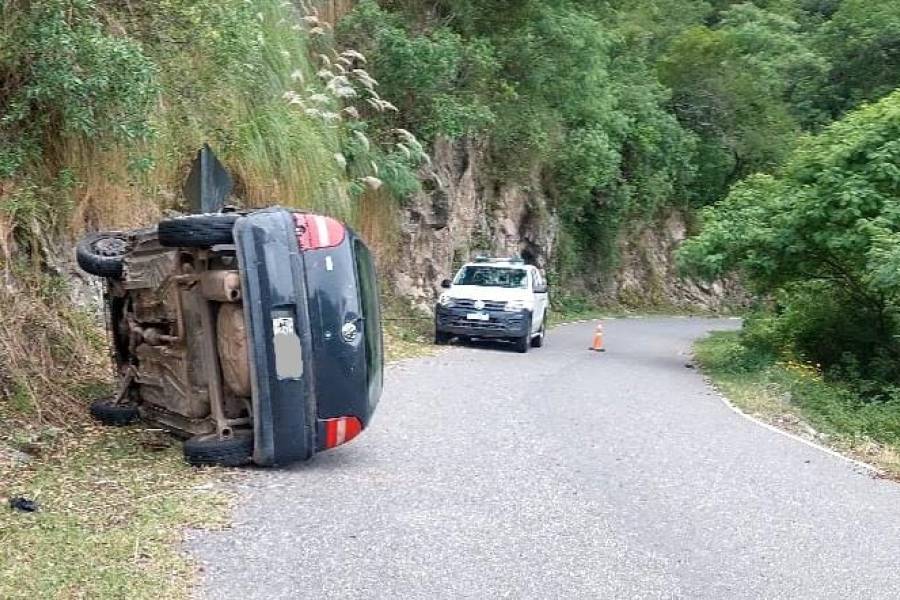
x=540 y=297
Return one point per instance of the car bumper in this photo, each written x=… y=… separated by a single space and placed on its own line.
x=272 y=276
x=455 y=321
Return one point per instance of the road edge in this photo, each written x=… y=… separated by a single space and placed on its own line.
x=870 y=469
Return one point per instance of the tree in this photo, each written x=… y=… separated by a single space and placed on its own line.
x=825 y=228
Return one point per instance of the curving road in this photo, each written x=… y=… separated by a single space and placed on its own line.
x=561 y=474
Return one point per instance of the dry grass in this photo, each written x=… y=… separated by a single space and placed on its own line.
x=48 y=352
x=105 y=194
x=113 y=505
x=113 y=502
x=796 y=399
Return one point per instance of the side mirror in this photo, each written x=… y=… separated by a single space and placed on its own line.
x=445 y=284
x=540 y=289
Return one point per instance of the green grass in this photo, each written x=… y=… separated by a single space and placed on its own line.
x=408 y=331
x=567 y=314
x=796 y=396
x=113 y=504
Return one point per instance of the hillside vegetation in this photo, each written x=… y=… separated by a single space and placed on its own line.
x=771 y=127
x=627 y=109
x=102 y=107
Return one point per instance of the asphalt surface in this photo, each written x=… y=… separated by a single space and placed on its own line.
x=561 y=474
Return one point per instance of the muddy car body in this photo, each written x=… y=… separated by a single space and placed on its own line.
x=256 y=336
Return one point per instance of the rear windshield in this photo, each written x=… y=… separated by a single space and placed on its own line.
x=504 y=277
x=368 y=292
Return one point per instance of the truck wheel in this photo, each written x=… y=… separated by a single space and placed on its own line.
x=101 y=253
x=114 y=415
x=197 y=231
x=523 y=343
x=537 y=342
x=209 y=450
x=441 y=338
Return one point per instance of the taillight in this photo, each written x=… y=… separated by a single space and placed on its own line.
x=316 y=231
x=340 y=431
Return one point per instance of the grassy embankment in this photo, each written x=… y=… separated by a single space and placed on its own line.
x=113 y=503
x=796 y=397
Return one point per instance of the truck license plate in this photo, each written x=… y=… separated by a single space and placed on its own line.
x=478 y=317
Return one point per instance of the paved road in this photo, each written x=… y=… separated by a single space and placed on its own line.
x=561 y=474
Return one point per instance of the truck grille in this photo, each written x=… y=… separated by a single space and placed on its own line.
x=496 y=325
x=489 y=305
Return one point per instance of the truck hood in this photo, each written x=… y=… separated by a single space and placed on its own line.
x=479 y=292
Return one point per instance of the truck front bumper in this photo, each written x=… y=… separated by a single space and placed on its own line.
x=500 y=324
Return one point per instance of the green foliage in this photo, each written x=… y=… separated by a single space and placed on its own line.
x=862 y=40
x=127 y=92
x=767 y=387
x=67 y=75
x=554 y=89
x=438 y=80
x=736 y=87
x=822 y=238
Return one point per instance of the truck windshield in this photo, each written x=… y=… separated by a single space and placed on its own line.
x=504 y=277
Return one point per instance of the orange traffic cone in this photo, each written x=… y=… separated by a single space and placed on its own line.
x=597 y=345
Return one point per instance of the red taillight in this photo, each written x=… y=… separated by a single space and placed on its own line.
x=341 y=430
x=315 y=231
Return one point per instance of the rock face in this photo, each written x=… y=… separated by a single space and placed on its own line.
x=647 y=272
x=464 y=210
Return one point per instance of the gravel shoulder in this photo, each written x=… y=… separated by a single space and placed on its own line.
x=560 y=474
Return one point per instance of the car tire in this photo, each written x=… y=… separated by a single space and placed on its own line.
x=538 y=340
x=102 y=253
x=441 y=338
x=197 y=231
x=114 y=415
x=209 y=450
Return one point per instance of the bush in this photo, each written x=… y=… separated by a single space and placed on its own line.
x=817 y=239
x=69 y=77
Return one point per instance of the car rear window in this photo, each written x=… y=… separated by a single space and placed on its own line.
x=368 y=292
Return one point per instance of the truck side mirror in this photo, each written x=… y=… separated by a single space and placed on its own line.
x=540 y=289
x=445 y=284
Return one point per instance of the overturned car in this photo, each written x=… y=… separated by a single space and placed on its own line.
x=254 y=335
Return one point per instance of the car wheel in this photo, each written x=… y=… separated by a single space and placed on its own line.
x=209 y=450
x=115 y=415
x=197 y=231
x=441 y=338
x=101 y=253
x=538 y=341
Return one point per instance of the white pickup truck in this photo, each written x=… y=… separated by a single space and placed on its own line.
x=494 y=298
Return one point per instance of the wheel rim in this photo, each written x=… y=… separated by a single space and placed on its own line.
x=109 y=246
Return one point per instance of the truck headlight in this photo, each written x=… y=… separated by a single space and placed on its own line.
x=515 y=306
x=446 y=301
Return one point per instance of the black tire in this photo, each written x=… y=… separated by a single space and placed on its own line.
x=114 y=415
x=441 y=338
x=209 y=450
x=538 y=342
x=102 y=253
x=523 y=343
x=197 y=231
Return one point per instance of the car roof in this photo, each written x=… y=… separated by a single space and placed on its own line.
x=500 y=264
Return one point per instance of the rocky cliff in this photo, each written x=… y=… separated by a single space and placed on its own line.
x=464 y=209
